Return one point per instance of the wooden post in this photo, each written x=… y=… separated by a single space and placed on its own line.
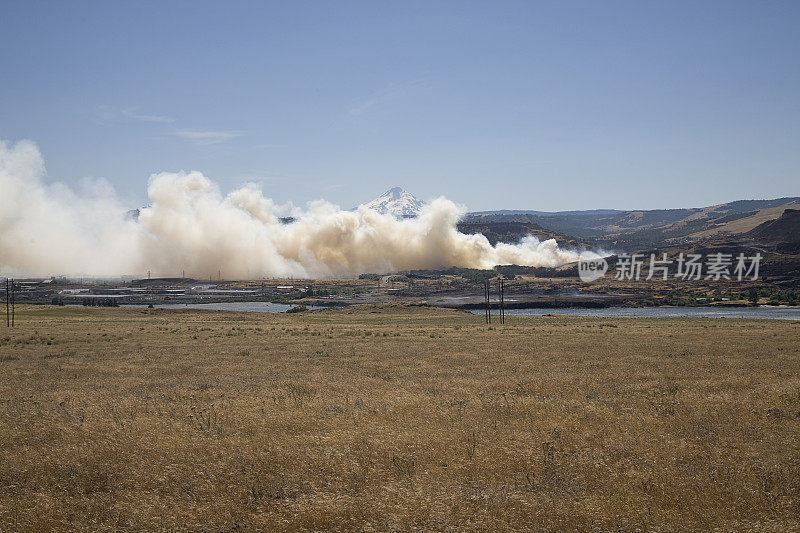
x=8 y=301
x=500 y=287
x=13 y=301
x=485 y=304
x=500 y=298
x=488 y=304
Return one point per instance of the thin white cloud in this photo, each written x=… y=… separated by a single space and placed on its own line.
x=107 y=113
x=205 y=137
x=128 y=113
x=110 y=114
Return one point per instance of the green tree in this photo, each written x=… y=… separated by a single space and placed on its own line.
x=753 y=296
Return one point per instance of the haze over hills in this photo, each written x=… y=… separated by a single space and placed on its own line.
x=771 y=227
x=626 y=230
x=637 y=229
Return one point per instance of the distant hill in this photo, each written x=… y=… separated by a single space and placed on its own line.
x=512 y=232
x=783 y=232
x=639 y=229
x=516 y=212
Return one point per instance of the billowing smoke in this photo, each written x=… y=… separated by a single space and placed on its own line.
x=190 y=226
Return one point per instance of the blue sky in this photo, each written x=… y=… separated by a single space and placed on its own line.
x=515 y=105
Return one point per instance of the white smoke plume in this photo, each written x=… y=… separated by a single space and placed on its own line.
x=190 y=226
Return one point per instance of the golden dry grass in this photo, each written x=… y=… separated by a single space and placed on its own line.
x=396 y=419
x=743 y=225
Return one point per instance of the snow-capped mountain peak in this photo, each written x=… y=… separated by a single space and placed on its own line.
x=397 y=202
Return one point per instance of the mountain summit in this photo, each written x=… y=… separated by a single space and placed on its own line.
x=397 y=202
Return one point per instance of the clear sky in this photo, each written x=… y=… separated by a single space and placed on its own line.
x=496 y=105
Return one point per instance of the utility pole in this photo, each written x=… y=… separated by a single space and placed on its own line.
x=13 y=301
x=486 y=294
x=501 y=287
x=8 y=301
x=485 y=304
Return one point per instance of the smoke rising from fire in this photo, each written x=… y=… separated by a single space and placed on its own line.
x=47 y=229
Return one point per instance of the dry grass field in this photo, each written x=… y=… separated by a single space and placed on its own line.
x=396 y=419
